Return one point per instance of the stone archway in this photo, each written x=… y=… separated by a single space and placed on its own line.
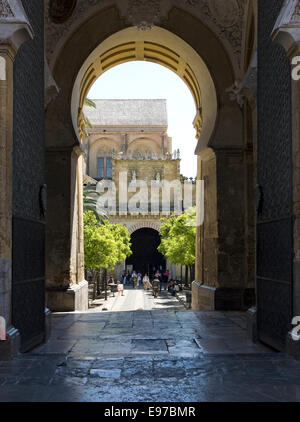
x=143 y=225
x=158 y=46
x=221 y=165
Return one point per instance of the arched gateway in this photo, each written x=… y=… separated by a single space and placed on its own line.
x=211 y=46
x=207 y=64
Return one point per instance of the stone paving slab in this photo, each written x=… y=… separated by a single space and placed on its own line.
x=165 y=355
x=188 y=379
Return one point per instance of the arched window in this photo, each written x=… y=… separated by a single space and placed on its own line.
x=104 y=168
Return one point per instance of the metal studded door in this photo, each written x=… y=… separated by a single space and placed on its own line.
x=275 y=179
x=28 y=272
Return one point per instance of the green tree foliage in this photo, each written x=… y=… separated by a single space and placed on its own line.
x=105 y=245
x=100 y=248
x=122 y=238
x=178 y=238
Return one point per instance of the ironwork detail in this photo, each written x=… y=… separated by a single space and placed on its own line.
x=28 y=286
x=275 y=216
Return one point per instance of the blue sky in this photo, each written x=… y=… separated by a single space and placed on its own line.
x=149 y=80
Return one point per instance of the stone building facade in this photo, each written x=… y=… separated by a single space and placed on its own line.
x=128 y=143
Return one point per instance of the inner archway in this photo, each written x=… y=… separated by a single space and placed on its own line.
x=219 y=134
x=157 y=46
x=145 y=257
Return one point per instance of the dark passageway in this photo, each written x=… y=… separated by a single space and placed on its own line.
x=145 y=254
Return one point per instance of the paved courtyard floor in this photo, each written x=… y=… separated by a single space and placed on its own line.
x=159 y=353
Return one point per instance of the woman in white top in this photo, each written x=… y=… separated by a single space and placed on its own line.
x=146 y=282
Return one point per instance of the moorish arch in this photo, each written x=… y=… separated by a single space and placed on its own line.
x=157 y=46
x=142 y=225
x=201 y=57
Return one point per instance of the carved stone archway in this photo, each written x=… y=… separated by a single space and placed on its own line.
x=223 y=136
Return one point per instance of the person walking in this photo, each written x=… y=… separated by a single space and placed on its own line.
x=166 y=279
x=146 y=282
x=128 y=278
x=134 y=280
x=158 y=276
x=156 y=287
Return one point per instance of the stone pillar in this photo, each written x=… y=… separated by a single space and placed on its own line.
x=80 y=237
x=13 y=33
x=66 y=288
x=206 y=267
x=220 y=275
x=6 y=148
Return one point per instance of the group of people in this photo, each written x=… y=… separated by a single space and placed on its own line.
x=134 y=279
x=172 y=286
x=120 y=286
x=158 y=282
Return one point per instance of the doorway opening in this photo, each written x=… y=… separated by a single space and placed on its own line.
x=145 y=258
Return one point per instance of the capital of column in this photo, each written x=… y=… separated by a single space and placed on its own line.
x=287 y=28
x=79 y=151
x=15 y=28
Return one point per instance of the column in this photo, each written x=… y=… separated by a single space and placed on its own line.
x=219 y=283
x=206 y=266
x=6 y=148
x=66 y=288
x=80 y=239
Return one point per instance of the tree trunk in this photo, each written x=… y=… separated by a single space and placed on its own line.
x=105 y=282
x=94 y=274
x=186 y=281
x=98 y=284
x=192 y=273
